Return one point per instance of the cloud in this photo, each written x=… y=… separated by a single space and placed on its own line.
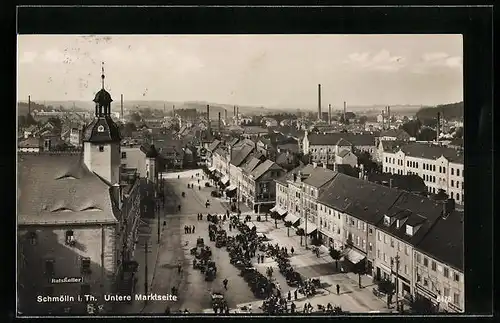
x=57 y=56
x=381 y=61
x=28 y=57
x=431 y=61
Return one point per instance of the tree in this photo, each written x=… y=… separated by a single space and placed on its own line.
x=300 y=232
x=426 y=134
x=349 y=241
x=56 y=122
x=30 y=120
x=421 y=306
x=336 y=255
x=387 y=287
x=359 y=269
x=129 y=128
x=363 y=119
x=441 y=195
x=412 y=127
x=136 y=117
x=288 y=224
x=459 y=132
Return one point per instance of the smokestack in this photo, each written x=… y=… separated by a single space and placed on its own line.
x=164 y=109
x=319 y=101
x=329 y=114
x=29 y=104
x=234 y=111
x=219 y=122
x=121 y=106
x=225 y=114
x=173 y=110
x=345 y=110
x=209 y=125
x=383 y=120
x=389 y=116
x=438 y=126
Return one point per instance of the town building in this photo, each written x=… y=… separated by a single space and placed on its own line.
x=433 y=163
x=77 y=221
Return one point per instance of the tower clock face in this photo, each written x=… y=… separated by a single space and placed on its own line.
x=100 y=128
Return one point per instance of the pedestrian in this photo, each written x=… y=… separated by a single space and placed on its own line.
x=215 y=309
x=225 y=281
x=262 y=258
x=227 y=309
x=292 y=307
x=230 y=226
x=289 y=296
x=295 y=294
x=338 y=289
x=198 y=181
x=292 y=251
x=258 y=259
x=179 y=268
x=250 y=308
x=305 y=308
x=286 y=250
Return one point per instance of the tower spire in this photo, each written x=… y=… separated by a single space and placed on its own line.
x=102 y=75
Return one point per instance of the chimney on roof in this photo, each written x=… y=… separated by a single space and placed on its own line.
x=225 y=114
x=29 y=104
x=448 y=207
x=234 y=111
x=121 y=106
x=319 y=101
x=345 y=110
x=117 y=192
x=219 y=122
x=329 y=114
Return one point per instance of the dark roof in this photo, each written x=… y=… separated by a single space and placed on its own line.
x=343 y=143
x=364 y=200
x=262 y=168
x=429 y=151
x=252 y=163
x=254 y=129
x=103 y=97
x=233 y=141
x=57 y=188
x=213 y=145
x=390 y=145
x=289 y=175
x=396 y=133
x=109 y=131
x=285 y=159
x=239 y=155
x=417 y=211
x=30 y=143
x=444 y=241
x=319 y=177
x=344 y=153
x=409 y=183
x=152 y=152
x=333 y=138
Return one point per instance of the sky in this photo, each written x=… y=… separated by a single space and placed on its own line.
x=260 y=70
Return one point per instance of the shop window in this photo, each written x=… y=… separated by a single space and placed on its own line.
x=456 y=298
x=85 y=265
x=426 y=282
x=50 y=267
x=70 y=238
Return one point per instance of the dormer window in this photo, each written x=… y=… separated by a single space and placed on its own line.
x=387 y=220
x=101 y=149
x=70 y=238
x=33 y=238
x=409 y=230
x=398 y=223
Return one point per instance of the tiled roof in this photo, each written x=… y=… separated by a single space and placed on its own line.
x=239 y=155
x=59 y=188
x=262 y=168
x=250 y=166
x=30 y=143
x=343 y=153
x=332 y=139
x=319 y=177
x=411 y=209
x=214 y=145
x=429 y=151
x=390 y=145
x=444 y=241
x=254 y=129
x=289 y=175
x=343 y=143
x=362 y=199
x=409 y=183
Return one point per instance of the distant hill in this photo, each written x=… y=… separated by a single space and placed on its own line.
x=450 y=111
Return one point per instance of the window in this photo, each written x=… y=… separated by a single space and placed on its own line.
x=370 y=246
x=378 y=253
x=392 y=243
x=456 y=277
x=426 y=262
x=385 y=239
x=370 y=231
x=124 y=154
x=378 y=236
x=458 y=184
x=357 y=241
x=418 y=258
x=101 y=149
x=433 y=168
x=387 y=220
x=50 y=267
x=456 y=298
x=452 y=182
x=446 y=292
x=433 y=265
x=70 y=238
x=440 y=169
x=444 y=170
x=426 y=282
x=85 y=266
x=33 y=238
x=458 y=197
x=409 y=230
x=385 y=257
x=446 y=273
x=452 y=171
x=363 y=244
x=399 y=246
x=406 y=269
x=419 y=279
x=407 y=250
x=458 y=172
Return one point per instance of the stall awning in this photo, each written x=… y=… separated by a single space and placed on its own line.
x=225 y=180
x=231 y=188
x=250 y=225
x=291 y=218
x=353 y=255
x=310 y=227
x=274 y=209
x=281 y=211
x=211 y=169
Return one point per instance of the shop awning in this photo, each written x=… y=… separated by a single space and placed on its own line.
x=281 y=211
x=250 y=225
x=231 y=188
x=310 y=227
x=291 y=218
x=274 y=209
x=353 y=255
x=211 y=169
x=225 y=180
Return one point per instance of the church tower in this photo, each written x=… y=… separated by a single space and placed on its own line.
x=101 y=140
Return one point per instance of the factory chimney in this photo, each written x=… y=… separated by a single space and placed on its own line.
x=389 y=116
x=209 y=124
x=237 y=115
x=319 y=101
x=329 y=114
x=345 y=111
x=438 y=126
x=29 y=104
x=225 y=114
x=383 y=120
x=121 y=106
x=234 y=111
x=219 y=123
x=173 y=110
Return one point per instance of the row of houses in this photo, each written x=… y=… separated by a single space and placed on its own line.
x=410 y=239
x=243 y=167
